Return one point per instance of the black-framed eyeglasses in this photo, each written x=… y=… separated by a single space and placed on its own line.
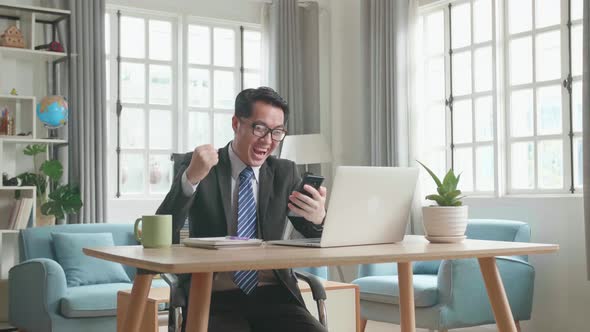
x=261 y=130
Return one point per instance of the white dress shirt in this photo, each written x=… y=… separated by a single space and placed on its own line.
x=224 y=280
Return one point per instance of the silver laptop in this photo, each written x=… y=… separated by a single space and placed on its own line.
x=368 y=205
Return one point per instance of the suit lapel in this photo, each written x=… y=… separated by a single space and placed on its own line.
x=264 y=192
x=224 y=181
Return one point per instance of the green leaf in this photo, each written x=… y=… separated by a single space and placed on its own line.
x=453 y=194
x=32 y=150
x=63 y=200
x=32 y=179
x=434 y=177
x=53 y=169
x=449 y=180
x=438 y=199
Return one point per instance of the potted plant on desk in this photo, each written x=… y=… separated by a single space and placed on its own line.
x=445 y=222
x=61 y=199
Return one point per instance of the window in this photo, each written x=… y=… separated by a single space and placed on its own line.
x=214 y=70
x=175 y=94
x=531 y=66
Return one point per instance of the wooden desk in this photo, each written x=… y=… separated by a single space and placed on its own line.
x=201 y=263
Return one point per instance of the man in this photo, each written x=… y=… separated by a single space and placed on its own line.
x=242 y=190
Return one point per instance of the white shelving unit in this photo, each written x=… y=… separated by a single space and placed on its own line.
x=29 y=19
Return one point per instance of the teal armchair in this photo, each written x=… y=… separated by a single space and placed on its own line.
x=41 y=301
x=451 y=294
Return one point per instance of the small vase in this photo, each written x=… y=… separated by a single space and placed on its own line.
x=445 y=224
x=41 y=219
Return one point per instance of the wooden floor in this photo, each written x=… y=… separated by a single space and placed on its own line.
x=383 y=327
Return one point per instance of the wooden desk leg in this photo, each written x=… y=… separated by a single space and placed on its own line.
x=406 y=297
x=497 y=295
x=137 y=302
x=197 y=319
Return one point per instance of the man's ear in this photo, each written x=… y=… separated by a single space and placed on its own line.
x=234 y=123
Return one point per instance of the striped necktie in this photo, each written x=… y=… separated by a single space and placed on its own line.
x=246 y=280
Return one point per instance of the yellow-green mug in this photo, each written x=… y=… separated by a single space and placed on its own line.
x=156 y=231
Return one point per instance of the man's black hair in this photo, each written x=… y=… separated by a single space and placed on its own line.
x=246 y=99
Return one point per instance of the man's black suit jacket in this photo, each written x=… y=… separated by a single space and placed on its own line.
x=210 y=205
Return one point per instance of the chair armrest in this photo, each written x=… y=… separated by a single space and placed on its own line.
x=461 y=288
x=315 y=283
x=35 y=287
x=178 y=295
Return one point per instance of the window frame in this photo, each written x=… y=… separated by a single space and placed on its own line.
x=146 y=150
x=179 y=106
x=502 y=90
x=534 y=86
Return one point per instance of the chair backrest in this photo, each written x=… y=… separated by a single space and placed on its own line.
x=37 y=242
x=480 y=229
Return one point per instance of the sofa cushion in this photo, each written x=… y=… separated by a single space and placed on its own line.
x=81 y=269
x=385 y=289
x=97 y=300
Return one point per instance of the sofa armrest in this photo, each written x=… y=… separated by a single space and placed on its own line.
x=462 y=290
x=36 y=287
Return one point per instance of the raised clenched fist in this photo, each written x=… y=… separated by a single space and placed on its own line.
x=203 y=159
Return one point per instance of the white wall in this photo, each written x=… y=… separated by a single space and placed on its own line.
x=562 y=292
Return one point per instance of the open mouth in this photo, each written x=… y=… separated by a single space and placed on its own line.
x=260 y=152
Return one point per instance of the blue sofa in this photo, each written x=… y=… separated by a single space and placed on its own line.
x=451 y=294
x=39 y=298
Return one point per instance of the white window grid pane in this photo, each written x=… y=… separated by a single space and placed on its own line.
x=530 y=28
x=548 y=70
x=144 y=153
x=210 y=114
x=482 y=87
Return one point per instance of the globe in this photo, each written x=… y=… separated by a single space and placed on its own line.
x=53 y=111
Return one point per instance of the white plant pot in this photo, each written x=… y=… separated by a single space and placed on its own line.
x=445 y=223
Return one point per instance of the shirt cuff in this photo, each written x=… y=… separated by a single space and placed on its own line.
x=187 y=187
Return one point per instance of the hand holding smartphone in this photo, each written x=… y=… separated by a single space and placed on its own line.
x=312 y=180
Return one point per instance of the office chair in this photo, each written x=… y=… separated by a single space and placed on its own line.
x=178 y=283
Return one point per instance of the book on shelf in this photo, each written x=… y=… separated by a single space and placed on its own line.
x=13 y=213
x=21 y=213
x=23 y=218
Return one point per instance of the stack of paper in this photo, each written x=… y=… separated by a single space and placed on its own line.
x=220 y=242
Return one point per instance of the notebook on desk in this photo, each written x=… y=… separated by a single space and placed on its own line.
x=368 y=205
x=220 y=242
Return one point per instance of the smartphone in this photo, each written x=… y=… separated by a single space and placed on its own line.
x=312 y=180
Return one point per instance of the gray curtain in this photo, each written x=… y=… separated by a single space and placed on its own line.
x=586 y=121
x=86 y=130
x=292 y=33
x=387 y=46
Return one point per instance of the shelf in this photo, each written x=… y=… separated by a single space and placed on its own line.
x=42 y=13
x=9 y=231
x=13 y=97
x=17 y=188
x=28 y=54
x=29 y=139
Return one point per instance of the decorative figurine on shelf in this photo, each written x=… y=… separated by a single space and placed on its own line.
x=12 y=37
x=13 y=92
x=12 y=182
x=54 y=46
x=53 y=111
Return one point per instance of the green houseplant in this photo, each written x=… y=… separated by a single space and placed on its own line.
x=60 y=199
x=447 y=220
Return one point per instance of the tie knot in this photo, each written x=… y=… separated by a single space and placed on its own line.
x=246 y=174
